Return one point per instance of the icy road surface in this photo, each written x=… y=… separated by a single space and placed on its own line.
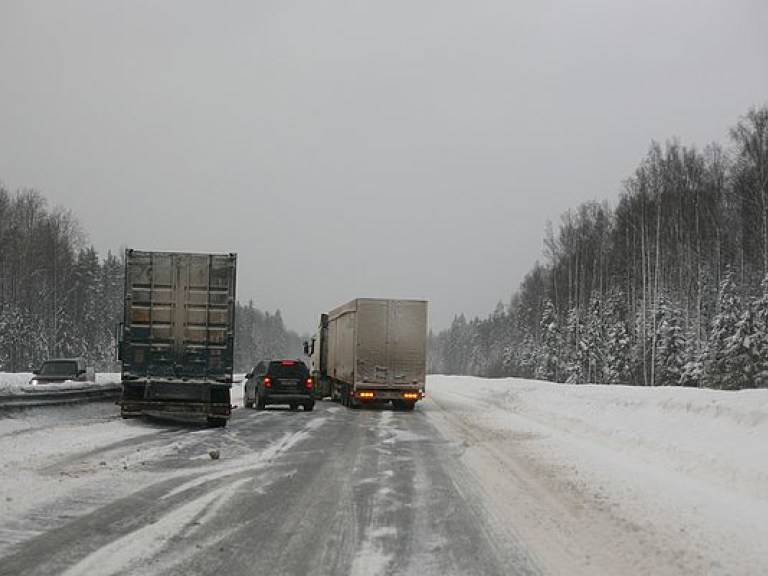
x=485 y=477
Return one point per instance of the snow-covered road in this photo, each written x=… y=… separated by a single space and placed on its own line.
x=485 y=477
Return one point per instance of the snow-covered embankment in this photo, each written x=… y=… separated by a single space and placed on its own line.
x=634 y=480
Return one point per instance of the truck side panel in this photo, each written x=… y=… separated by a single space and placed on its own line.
x=341 y=343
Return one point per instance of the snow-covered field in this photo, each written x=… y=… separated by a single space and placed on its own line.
x=633 y=480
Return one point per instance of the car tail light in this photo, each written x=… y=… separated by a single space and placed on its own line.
x=267 y=382
x=287 y=363
x=309 y=383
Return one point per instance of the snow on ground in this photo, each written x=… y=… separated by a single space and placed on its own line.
x=12 y=383
x=592 y=479
x=618 y=479
x=81 y=452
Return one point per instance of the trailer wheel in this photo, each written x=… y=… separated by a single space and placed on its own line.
x=217 y=422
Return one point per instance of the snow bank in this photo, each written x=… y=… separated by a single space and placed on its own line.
x=715 y=433
x=683 y=471
x=13 y=383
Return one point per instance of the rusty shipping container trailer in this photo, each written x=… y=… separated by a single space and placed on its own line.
x=177 y=340
x=376 y=351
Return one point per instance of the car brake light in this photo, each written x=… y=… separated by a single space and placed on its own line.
x=287 y=363
x=267 y=381
x=309 y=383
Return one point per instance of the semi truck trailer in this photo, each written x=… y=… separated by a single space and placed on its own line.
x=177 y=336
x=371 y=350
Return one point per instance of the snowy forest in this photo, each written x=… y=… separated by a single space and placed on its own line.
x=668 y=288
x=58 y=298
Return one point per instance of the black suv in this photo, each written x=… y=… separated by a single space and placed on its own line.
x=279 y=382
x=62 y=370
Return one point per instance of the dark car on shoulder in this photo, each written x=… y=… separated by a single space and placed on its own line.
x=59 y=370
x=279 y=382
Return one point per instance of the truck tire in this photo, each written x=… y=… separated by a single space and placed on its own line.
x=351 y=402
x=217 y=422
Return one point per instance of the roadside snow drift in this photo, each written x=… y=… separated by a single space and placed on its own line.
x=633 y=480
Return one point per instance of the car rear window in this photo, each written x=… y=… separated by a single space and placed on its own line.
x=288 y=369
x=59 y=368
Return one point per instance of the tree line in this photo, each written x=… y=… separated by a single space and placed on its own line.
x=59 y=298
x=670 y=287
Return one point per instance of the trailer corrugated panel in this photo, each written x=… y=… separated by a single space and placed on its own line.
x=179 y=316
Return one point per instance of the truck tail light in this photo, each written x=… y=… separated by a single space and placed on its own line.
x=365 y=395
x=411 y=395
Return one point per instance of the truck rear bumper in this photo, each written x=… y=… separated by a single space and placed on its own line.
x=386 y=395
x=180 y=410
x=175 y=401
x=288 y=398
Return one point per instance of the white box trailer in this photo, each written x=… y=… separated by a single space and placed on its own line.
x=375 y=351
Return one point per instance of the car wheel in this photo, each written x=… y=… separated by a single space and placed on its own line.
x=309 y=406
x=293 y=405
x=260 y=404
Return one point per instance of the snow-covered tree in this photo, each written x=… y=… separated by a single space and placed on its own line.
x=549 y=361
x=759 y=344
x=593 y=343
x=721 y=367
x=575 y=348
x=670 y=344
x=616 y=362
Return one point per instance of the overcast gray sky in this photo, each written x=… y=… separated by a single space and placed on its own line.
x=387 y=148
